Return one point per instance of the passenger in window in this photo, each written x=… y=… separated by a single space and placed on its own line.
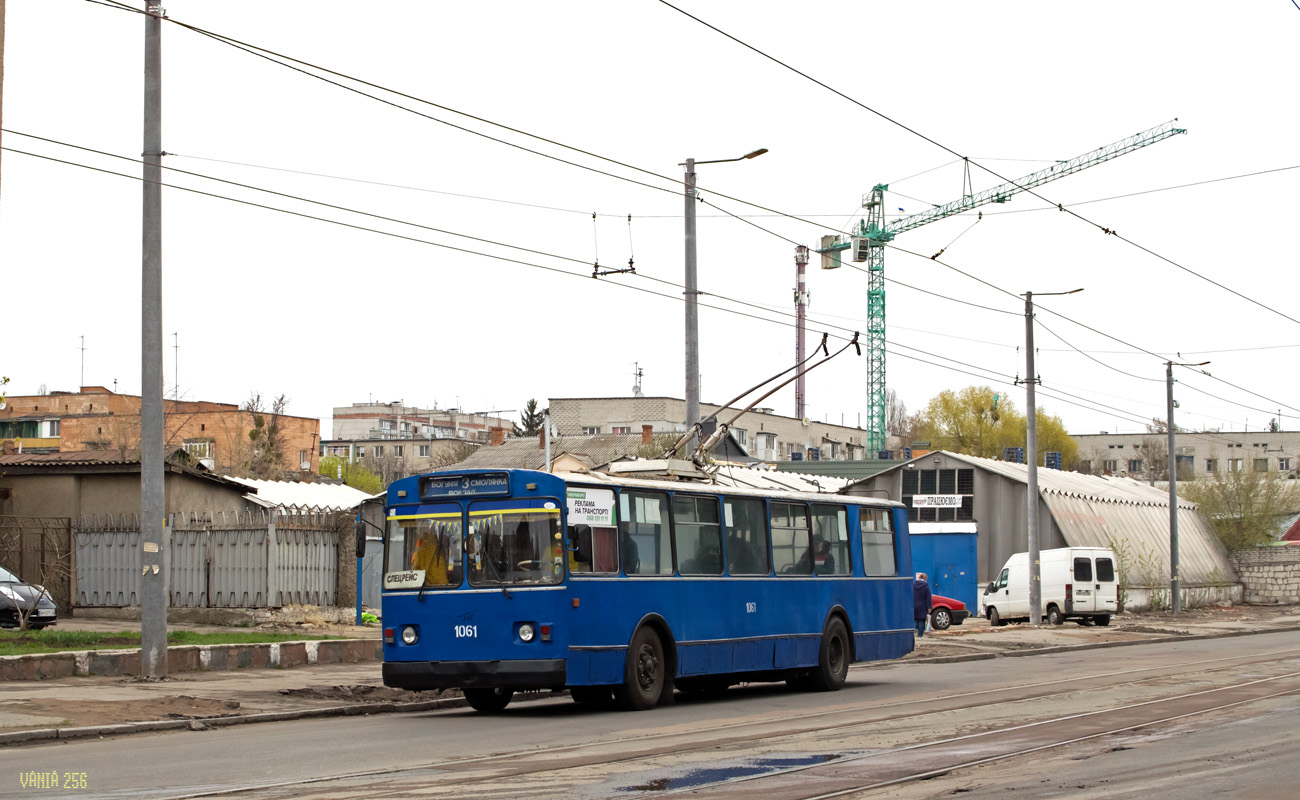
x=627 y=548
x=431 y=556
x=745 y=557
x=817 y=558
x=524 y=551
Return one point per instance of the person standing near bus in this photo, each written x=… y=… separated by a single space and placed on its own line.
x=922 y=599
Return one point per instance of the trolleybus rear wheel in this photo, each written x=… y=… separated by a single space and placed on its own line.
x=643 y=675
x=488 y=701
x=833 y=661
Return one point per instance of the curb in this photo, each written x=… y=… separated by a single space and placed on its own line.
x=191 y=658
x=204 y=723
x=1067 y=648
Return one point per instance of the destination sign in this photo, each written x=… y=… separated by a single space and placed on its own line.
x=936 y=501
x=409 y=579
x=490 y=483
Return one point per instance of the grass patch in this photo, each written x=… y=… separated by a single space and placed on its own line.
x=18 y=643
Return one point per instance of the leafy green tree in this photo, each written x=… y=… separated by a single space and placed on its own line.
x=978 y=421
x=1244 y=506
x=354 y=475
x=532 y=420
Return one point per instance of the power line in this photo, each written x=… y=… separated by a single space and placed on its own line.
x=437 y=230
x=251 y=50
x=1103 y=229
x=1000 y=378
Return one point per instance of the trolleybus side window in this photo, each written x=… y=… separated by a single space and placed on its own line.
x=428 y=543
x=643 y=533
x=593 y=537
x=878 y=542
x=514 y=545
x=698 y=535
x=747 y=549
x=830 y=540
x=790 y=540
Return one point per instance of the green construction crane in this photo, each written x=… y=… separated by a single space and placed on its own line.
x=868 y=245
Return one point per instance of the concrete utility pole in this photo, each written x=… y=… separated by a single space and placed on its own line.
x=154 y=539
x=1175 y=582
x=1031 y=459
x=2 y=65
x=801 y=311
x=692 y=293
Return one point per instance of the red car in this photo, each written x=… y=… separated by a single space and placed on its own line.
x=945 y=612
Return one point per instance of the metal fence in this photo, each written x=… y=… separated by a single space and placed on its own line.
x=39 y=550
x=238 y=560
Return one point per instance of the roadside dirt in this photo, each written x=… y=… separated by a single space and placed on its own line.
x=110 y=712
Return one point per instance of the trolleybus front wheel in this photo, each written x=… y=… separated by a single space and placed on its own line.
x=488 y=701
x=643 y=675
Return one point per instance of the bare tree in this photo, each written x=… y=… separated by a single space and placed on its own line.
x=1154 y=453
x=262 y=454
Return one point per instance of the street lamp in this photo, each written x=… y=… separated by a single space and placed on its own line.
x=692 y=293
x=1031 y=453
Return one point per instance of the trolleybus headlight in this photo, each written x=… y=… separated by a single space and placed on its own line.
x=410 y=635
x=526 y=632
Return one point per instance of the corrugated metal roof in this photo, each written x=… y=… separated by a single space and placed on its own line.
x=1100 y=488
x=849 y=470
x=741 y=480
x=1101 y=511
x=1141 y=532
x=322 y=496
x=592 y=450
x=64 y=457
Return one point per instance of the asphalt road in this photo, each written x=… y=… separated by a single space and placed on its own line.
x=758 y=739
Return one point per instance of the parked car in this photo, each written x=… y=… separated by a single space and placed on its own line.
x=945 y=611
x=34 y=601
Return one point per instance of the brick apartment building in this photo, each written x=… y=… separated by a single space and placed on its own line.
x=95 y=418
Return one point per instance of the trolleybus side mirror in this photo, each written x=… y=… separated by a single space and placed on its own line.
x=361 y=537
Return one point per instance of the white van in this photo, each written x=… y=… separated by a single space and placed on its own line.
x=1077 y=583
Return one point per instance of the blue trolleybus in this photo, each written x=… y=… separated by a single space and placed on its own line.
x=625 y=589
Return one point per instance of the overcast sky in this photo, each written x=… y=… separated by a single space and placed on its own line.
x=331 y=315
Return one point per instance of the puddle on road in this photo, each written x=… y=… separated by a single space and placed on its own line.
x=742 y=768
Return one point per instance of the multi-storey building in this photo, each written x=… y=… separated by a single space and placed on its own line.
x=212 y=434
x=378 y=421
x=764 y=435
x=1145 y=456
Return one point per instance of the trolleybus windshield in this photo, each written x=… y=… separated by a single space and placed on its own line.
x=423 y=548
x=514 y=542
